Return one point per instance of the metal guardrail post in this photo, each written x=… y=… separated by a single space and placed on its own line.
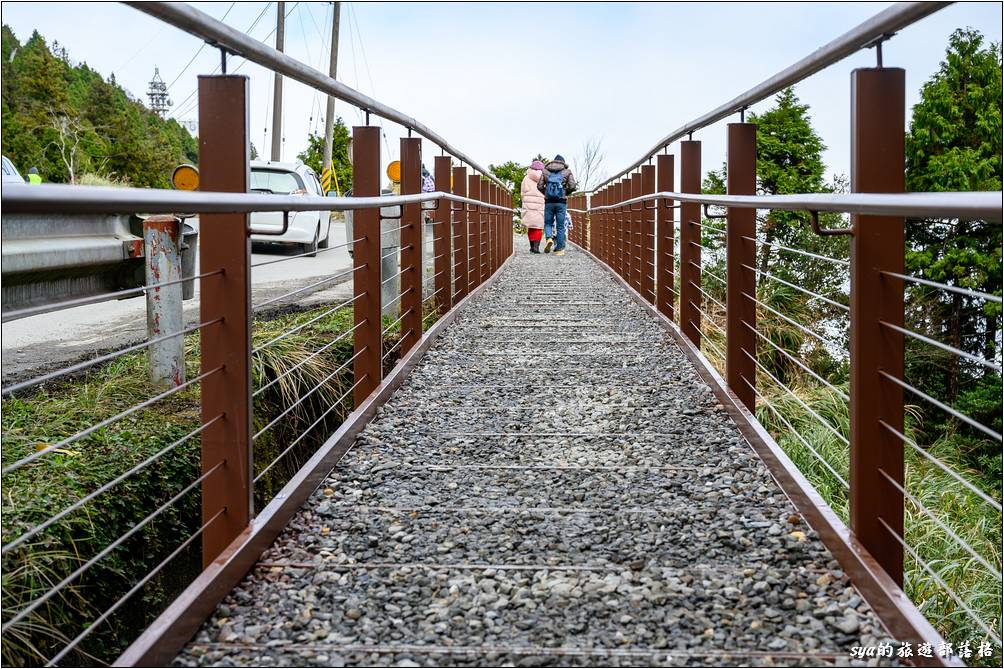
x=412 y=245
x=474 y=192
x=648 y=235
x=620 y=241
x=636 y=232
x=225 y=246
x=664 y=271
x=162 y=243
x=463 y=234
x=442 y=237
x=367 y=340
x=877 y=246
x=740 y=328
x=690 y=234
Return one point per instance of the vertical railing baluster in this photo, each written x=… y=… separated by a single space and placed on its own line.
x=740 y=328
x=648 y=234
x=690 y=234
x=664 y=270
x=224 y=245
x=412 y=250
x=877 y=246
x=367 y=339
x=463 y=234
x=442 y=236
x=621 y=234
x=634 y=232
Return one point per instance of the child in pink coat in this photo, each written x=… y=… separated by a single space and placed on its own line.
x=533 y=205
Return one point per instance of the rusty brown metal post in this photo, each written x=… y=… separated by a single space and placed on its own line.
x=224 y=245
x=648 y=234
x=442 y=238
x=636 y=225
x=877 y=246
x=690 y=234
x=474 y=254
x=740 y=319
x=367 y=340
x=496 y=232
x=620 y=241
x=462 y=235
x=665 y=223
x=411 y=245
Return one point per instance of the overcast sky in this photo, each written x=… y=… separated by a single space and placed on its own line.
x=503 y=81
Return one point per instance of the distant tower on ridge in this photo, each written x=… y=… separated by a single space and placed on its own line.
x=159 y=102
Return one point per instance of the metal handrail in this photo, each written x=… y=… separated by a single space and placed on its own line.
x=984 y=205
x=220 y=35
x=864 y=35
x=67 y=199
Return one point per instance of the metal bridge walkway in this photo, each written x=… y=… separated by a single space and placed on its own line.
x=554 y=484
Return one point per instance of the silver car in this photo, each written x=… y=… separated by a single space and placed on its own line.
x=10 y=173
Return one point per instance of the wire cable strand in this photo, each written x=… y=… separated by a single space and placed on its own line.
x=133 y=590
x=107 y=486
x=106 y=422
x=823 y=461
x=944 y=407
x=103 y=358
x=323 y=281
x=307 y=253
x=943 y=467
x=944 y=286
x=930 y=514
x=805 y=291
x=28 y=610
x=823 y=340
x=334 y=405
x=300 y=327
x=927 y=567
x=304 y=361
x=798 y=362
x=944 y=347
x=842 y=263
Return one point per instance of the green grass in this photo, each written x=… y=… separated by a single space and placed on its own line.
x=35 y=492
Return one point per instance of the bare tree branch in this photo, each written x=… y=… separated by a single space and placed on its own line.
x=589 y=168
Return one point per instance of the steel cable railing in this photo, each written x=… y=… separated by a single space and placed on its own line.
x=286 y=374
x=831 y=378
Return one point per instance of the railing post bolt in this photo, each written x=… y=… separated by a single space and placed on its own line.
x=877 y=246
x=740 y=327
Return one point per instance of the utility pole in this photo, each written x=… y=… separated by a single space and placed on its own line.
x=280 y=34
x=329 y=114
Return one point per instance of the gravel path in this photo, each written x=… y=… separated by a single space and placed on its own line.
x=552 y=486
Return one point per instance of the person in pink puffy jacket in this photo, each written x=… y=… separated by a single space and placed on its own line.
x=533 y=205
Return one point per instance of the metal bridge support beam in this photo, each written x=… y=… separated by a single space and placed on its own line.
x=412 y=245
x=442 y=238
x=225 y=246
x=648 y=234
x=664 y=271
x=367 y=339
x=462 y=236
x=740 y=328
x=690 y=234
x=877 y=246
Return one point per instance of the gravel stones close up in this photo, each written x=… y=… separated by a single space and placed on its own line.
x=552 y=486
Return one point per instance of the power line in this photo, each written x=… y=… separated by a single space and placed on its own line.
x=198 y=51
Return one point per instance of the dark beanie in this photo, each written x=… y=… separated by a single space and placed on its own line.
x=559 y=158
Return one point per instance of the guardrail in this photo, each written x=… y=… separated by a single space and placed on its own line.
x=472 y=239
x=709 y=283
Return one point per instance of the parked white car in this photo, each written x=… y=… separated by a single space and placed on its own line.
x=10 y=173
x=308 y=230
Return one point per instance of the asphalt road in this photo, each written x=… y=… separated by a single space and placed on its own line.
x=49 y=341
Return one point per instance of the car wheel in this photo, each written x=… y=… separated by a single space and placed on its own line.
x=323 y=244
x=311 y=248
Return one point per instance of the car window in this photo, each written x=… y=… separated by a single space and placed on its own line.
x=8 y=168
x=275 y=181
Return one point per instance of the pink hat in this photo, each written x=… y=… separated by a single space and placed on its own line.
x=536 y=165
